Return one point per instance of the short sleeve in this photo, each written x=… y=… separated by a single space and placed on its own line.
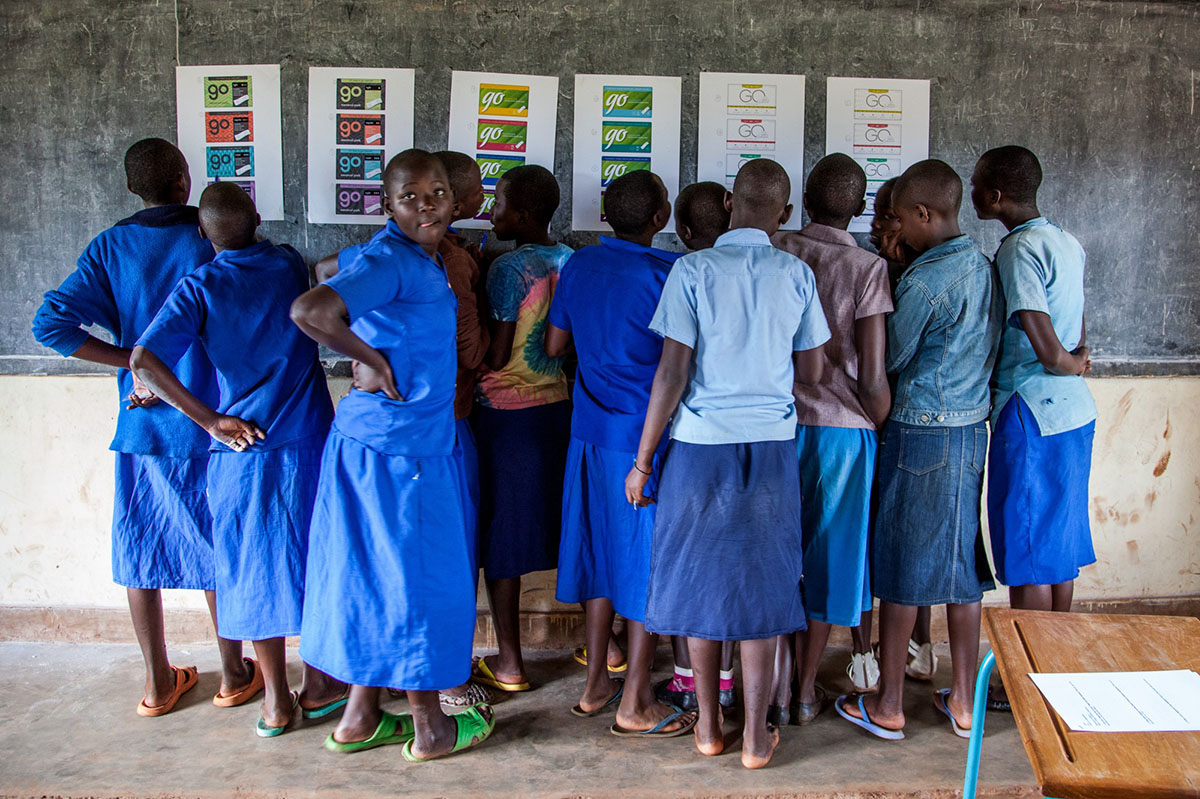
x=178 y=324
x=505 y=288
x=876 y=296
x=365 y=285
x=675 y=318
x=85 y=298
x=1023 y=277
x=813 y=330
x=560 y=314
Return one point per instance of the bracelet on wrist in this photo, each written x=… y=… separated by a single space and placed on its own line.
x=640 y=469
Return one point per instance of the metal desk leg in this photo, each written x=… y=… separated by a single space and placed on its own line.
x=971 y=777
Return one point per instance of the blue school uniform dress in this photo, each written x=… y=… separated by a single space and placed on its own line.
x=390 y=598
x=727 y=559
x=1042 y=424
x=927 y=547
x=606 y=298
x=161 y=530
x=236 y=308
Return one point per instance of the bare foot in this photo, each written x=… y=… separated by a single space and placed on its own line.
x=310 y=699
x=590 y=702
x=356 y=727
x=960 y=711
x=616 y=658
x=235 y=683
x=711 y=742
x=651 y=717
x=753 y=759
x=889 y=721
x=502 y=675
x=279 y=712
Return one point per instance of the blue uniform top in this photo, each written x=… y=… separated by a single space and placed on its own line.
x=119 y=283
x=1041 y=269
x=744 y=307
x=606 y=297
x=237 y=309
x=400 y=303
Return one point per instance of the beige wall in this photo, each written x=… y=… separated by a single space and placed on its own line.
x=56 y=493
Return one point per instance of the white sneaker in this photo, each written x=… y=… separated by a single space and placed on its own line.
x=922 y=662
x=863 y=672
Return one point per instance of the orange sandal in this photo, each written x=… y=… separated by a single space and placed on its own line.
x=246 y=694
x=186 y=678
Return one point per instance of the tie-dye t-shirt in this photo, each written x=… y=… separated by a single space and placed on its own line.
x=520 y=285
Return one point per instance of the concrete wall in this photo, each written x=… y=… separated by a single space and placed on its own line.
x=56 y=494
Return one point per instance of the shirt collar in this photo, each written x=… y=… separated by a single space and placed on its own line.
x=614 y=243
x=744 y=237
x=253 y=251
x=164 y=216
x=955 y=245
x=814 y=230
x=1037 y=221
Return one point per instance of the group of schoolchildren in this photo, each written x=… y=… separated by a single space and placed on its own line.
x=763 y=435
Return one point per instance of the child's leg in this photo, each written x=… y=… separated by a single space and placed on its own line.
x=860 y=636
x=361 y=716
x=1030 y=597
x=886 y=708
x=277 y=700
x=810 y=646
x=319 y=688
x=504 y=597
x=963 y=621
x=683 y=658
x=706 y=659
x=758 y=662
x=921 y=631
x=639 y=709
x=783 y=667
x=1062 y=594
x=145 y=607
x=235 y=673
x=435 y=731
x=600 y=687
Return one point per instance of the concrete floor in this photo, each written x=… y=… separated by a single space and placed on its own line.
x=68 y=729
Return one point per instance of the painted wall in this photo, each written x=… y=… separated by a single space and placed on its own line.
x=56 y=493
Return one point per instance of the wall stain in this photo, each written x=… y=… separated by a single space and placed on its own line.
x=1132 y=547
x=1161 y=466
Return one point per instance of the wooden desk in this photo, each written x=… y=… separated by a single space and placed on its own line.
x=1095 y=765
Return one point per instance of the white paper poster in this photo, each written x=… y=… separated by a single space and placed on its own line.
x=1124 y=701
x=744 y=116
x=880 y=122
x=228 y=121
x=358 y=118
x=622 y=123
x=503 y=120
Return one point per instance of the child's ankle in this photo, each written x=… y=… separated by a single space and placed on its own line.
x=682 y=681
x=726 y=679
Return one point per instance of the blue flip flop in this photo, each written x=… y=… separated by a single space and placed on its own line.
x=657 y=730
x=613 y=701
x=865 y=722
x=321 y=711
x=939 y=701
x=264 y=730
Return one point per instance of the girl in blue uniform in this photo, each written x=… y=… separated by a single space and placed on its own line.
x=161 y=536
x=390 y=599
x=268 y=429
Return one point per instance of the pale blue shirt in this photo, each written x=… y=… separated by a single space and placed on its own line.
x=743 y=307
x=1041 y=269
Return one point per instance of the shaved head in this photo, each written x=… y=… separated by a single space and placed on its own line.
x=151 y=168
x=762 y=187
x=1012 y=170
x=228 y=216
x=835 y=188
x=408 y=162
x=933 y=184
x=701 y=207
x=461 y=169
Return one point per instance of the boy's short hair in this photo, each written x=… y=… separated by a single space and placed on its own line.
x=931 y=183
x=410 y=159
x=631 y=201
x=532 y=189
x=461 y=169
x=836 y=187
x=763 y=186
x=151 y=168
x=701 y=207
x=1014 y=171
x=228 y=215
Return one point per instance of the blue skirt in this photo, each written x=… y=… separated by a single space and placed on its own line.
x=1038 y=499
x=837 y=468
x=927 y=547
x=161 y=529
x=467 y=457
x=389 y=598
x=261 y=504
x=727 y=559
x=605 y=549
x=522 y=457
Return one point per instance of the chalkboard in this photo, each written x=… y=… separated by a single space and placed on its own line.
x=1104 y=92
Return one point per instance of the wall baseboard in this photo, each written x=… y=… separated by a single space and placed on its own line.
x=539 y=630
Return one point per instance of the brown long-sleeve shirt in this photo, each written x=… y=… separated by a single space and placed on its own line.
x=462 y=270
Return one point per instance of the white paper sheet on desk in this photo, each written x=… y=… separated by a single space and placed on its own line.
x=1124 y=701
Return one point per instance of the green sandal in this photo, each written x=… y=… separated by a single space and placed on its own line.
x=392 y=729
x=474 y=726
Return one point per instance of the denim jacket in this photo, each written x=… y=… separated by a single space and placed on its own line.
x=944 y=336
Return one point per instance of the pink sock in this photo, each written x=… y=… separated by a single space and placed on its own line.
x=682 y=682
x=727 y=680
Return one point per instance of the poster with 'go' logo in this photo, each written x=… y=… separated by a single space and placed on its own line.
x=358 y=118
x=229 y=129
x=503 y=121
x=623 y=123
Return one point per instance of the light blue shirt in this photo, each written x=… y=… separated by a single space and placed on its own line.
x=744 y=307
x=1041 y=269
